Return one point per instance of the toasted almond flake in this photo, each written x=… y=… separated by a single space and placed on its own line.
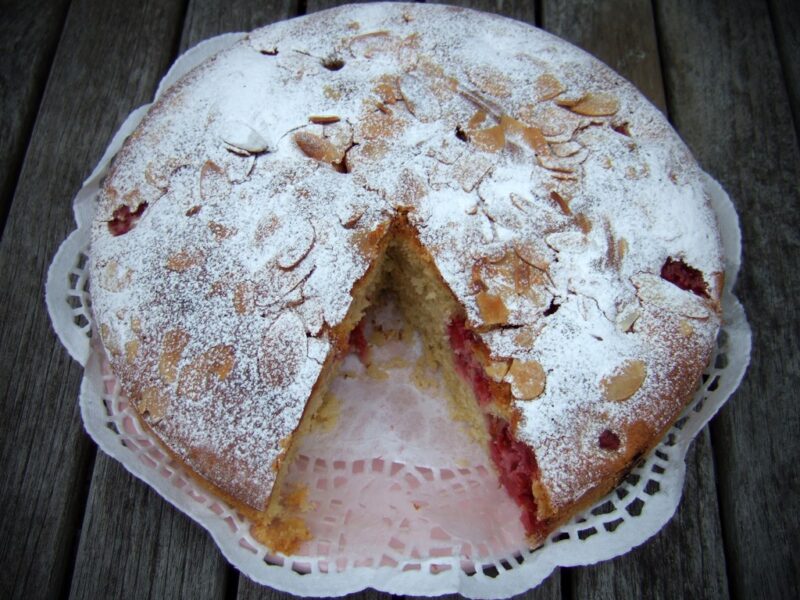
x=492 y=308
x=535 y=139
x=491 y=139
x=686 y=328
x=627 y=318
x=497 y=370
x=569 y=102
x=153 y=403
x=419 y=98
x=562 y=202
x=317 y=147
x=184 y=260
x=242 y=138
x=625 y=381
x=583 y=222
x=547 y=87
x=527 y=379
x=175 y=341
x=131 y=350
x=476 y=119
x=596 y=105
x=324 y=119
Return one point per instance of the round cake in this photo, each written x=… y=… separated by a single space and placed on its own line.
x=538 y=220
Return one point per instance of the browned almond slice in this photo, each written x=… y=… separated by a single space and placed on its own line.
x=547 y=87
x=497 y=370
x=317 y=147
x=175 y=341
x=562 y=202
x=596 y=105
x=153 y=403
x=534 y=137
x=491 y=139
x=324 y=119
x=527 y=379
x=625 y=381
x=476 y=119
x=493 y=309
x=183 y=261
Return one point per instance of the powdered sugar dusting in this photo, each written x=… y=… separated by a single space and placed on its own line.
x=248 y=242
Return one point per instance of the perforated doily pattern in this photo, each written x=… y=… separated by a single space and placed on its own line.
x=628 y=516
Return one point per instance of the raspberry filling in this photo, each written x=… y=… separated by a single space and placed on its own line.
x=514 y=460
x=123 y=220
x=358 y=342
x=464 y=343
x=684 y=276
x=609 y=440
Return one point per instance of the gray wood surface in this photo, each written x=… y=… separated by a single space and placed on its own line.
x=29 y=33
x=135 y=545
x=45 y=455
x=728 y=100
x=785 y=18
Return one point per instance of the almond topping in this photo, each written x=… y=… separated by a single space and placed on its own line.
x=476 y=119
x=183 y=261
x=131 y=350
x=686 y=328
x=491 y=139
x=534 y=137
x=497 y=370
x=527 y=379
x=324 y=119
x=152 y=403
x=596 y=105
x=563 y=204
x=547 y=87
x=317 y=147
x=625 y=381
x=493 y=310
x=172 y=347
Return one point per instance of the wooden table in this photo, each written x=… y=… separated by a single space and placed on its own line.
x=75 y=523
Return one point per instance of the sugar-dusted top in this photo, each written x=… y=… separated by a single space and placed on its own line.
x=239 y=215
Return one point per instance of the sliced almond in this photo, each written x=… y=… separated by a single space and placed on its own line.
x=596 y=105
x=153 y=403
x=625 y=381
x=476 y=119
x=324 y=119
x=174 y=342
x=497 y=370
x=563 y=203
x=184 y=260
x=491 y=139
x=317 y=147
x=547 y=87
x=492 y=308
x=527 y=379
x=131 y=350
x=686 y=328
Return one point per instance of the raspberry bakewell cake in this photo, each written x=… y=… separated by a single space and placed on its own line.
x=538 y=221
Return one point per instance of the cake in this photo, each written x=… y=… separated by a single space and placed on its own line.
x=539 y=222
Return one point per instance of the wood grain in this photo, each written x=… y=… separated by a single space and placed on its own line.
x=622 y=33
x=205 y=19
x=29 y=33
x=44 y=453
x=785 y=18
x=134 y=544
x=728 y=100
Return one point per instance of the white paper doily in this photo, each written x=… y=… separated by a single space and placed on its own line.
x=627 y=517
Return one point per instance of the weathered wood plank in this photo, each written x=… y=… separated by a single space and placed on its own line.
x=29 y=33
x=785 y=17
x=621 y=33
x=134 y=544
x=205 y=19
x=687 y=553
x=44 y=454
x=728 y=99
